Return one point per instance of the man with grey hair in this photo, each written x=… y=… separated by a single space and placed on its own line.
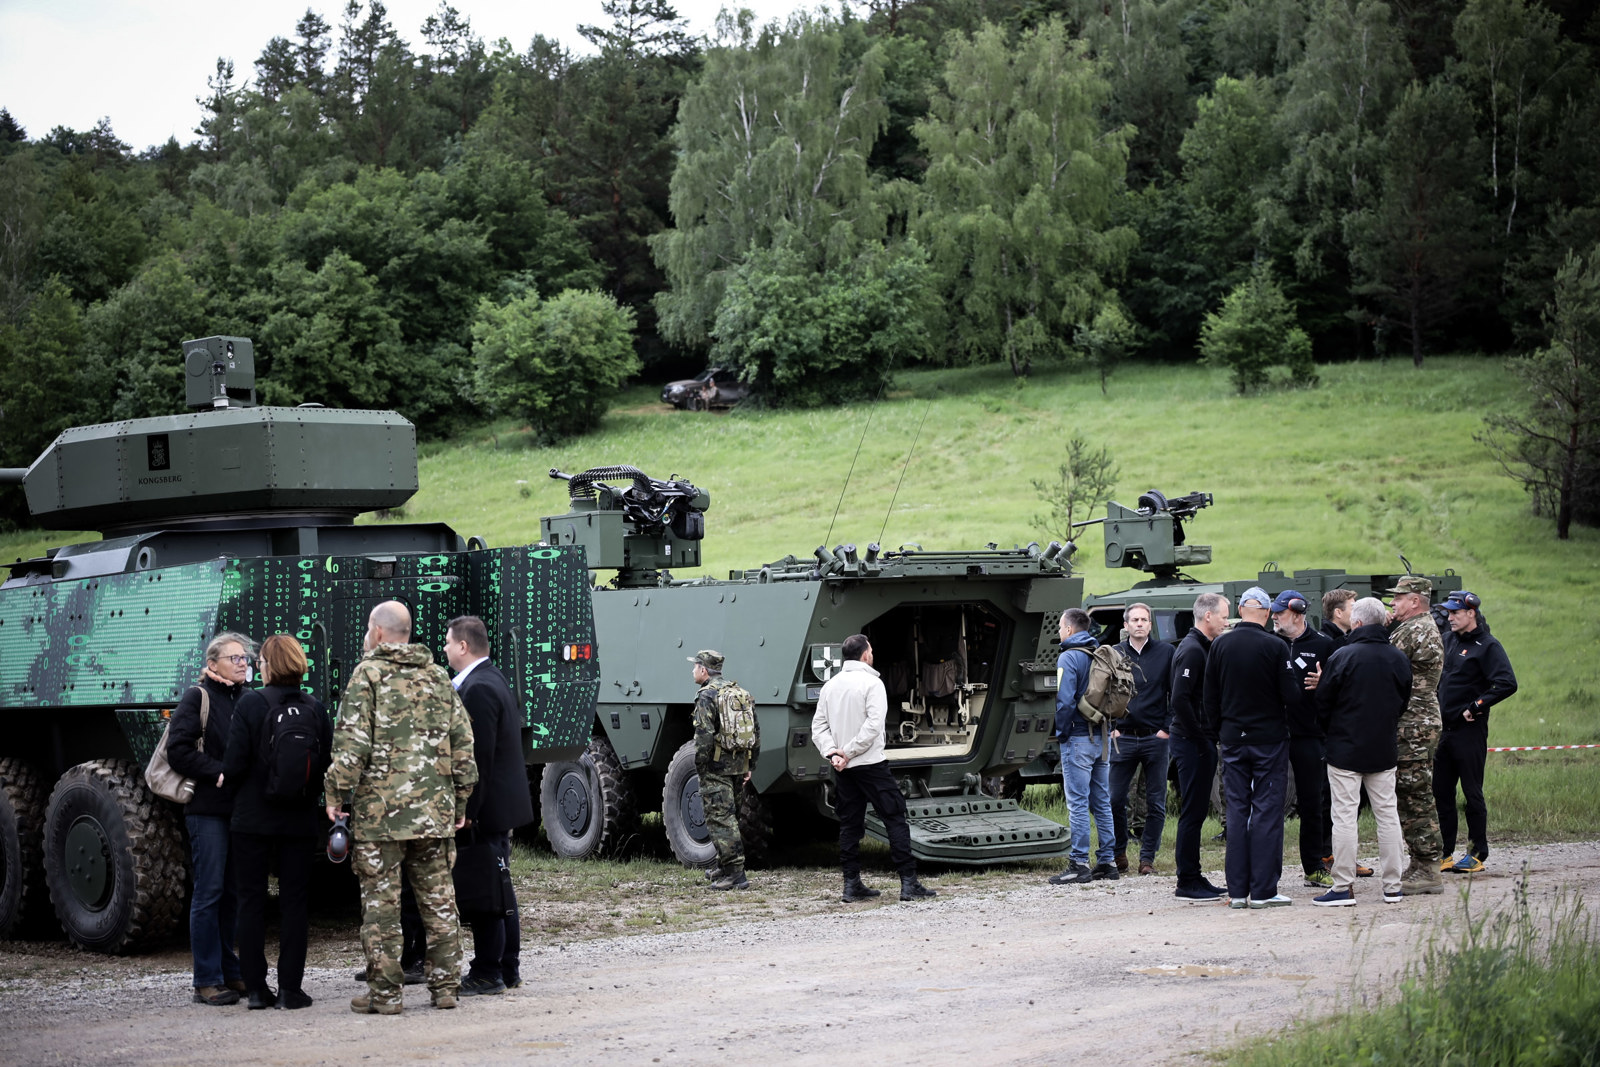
x=1194 y=748
x=1249 y=690
x=1364 y=688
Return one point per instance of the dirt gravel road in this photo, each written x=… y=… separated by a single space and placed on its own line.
x=1026 y=973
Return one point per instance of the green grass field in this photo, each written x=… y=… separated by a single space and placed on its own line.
x=1379 y=461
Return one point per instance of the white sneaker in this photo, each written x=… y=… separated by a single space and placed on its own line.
x=1279 y=901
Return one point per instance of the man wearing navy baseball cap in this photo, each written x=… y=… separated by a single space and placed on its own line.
x=1477 y=675
x=1308 y=650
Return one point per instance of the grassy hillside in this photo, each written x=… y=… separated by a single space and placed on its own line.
x=1378 y=462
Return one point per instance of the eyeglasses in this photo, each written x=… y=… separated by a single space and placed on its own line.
x=238 y=661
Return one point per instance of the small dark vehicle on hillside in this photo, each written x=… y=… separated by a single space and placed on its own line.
x=718 y=387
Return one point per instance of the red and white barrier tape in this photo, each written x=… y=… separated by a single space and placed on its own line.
x=1539 y=748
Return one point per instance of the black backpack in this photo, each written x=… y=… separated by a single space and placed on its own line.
x=292 y=749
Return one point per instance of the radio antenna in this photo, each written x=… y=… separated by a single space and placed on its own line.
x=915 y=437
x=846 y=485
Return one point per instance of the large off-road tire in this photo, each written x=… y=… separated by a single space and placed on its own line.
x=683 y=815
x=587 y=804
x=682 y=812
x=113 y=858
x=24 y=898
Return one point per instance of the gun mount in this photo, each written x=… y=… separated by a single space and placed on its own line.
x=638 y=529
x=1150 y=537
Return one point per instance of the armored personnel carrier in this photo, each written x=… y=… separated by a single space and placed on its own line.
x=965 y=641
x=1151 y=537
x=231 y=517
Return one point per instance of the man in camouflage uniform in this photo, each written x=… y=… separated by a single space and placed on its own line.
x=722 y=774
x=1415 y=633
x=404 y=745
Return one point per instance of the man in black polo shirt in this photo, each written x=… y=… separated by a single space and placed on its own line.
x=1140 y=739
x=1308 y=651
x=1477 y=675
x=1193 y=745
x=1249 y=689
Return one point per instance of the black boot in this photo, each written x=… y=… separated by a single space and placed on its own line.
x=911 y=889
x=261 y=998
x=855 y=890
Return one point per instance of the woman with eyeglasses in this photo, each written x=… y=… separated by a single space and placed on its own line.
x=196 y=751
x=279 y=749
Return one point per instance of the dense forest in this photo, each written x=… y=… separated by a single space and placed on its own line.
x=449 y=227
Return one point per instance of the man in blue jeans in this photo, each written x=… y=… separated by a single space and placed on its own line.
x=1140 y=739
x=1085 y=774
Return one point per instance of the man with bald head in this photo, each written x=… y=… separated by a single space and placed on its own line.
x=404 y=748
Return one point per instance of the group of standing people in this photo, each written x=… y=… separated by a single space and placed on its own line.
x=1352 y=708
x=429 y=764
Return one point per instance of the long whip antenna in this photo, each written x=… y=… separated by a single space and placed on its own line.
x=842 y=489
x=915 y=437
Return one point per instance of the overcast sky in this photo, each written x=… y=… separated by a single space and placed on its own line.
x=141 y=63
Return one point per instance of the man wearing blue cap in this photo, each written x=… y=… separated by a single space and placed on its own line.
x=1249 y=689
x=1477 y=675
x=1308 y=650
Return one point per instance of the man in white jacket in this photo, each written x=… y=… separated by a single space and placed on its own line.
x=848 y=730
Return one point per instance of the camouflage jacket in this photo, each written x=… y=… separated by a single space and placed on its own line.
x=404 y=744
x=1418 y=638
x=707 y=756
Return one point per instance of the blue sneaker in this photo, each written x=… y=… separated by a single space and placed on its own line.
x=1336 y=898
x=1467 y=864
x=1393 y=896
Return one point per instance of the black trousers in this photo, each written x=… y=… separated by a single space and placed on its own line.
x=1460 y=757
x=496 y=939
x=1309 y=764
x=858 y=787
x=1197 y=767
x=252 y=856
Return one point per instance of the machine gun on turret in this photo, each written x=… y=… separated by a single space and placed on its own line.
x=1150 y=537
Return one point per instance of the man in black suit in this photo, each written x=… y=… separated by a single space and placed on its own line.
x=499 y=803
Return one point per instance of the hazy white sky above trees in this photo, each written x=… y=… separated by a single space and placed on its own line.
x=141 y=63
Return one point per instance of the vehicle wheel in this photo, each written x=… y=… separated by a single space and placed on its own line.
x=1005 y=787
x=587 y=805
x=113 y=858
x=24 y=898
x=682 y=813
x=756 y=827
x=695 y=403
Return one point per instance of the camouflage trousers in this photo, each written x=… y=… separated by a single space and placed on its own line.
x=1419 y=812
x=427 y=860
x=717 y=800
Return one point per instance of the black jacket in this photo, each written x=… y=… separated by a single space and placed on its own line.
x=1477 y=674
x=1306 y=652
x=1331 y=631
x=1249 y=687
x=1186 y=687
x=1149 y=709
x=500 y=801
x=203 y=765
x=1365 y=686
x=245 y=765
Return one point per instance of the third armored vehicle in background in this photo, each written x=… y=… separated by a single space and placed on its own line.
x=965 y=641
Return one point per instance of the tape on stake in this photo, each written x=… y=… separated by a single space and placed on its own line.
x=1539 y=748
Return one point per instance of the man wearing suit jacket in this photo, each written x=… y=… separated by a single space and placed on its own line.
x=499 y=803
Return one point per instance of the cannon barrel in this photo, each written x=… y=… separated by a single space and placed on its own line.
x=12 y=475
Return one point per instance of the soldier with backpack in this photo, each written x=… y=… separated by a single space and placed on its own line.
x=279 y=746
x=726 y=737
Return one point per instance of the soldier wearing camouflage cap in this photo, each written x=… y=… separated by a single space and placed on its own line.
x=722 y=771
x=404 y=745
x=1415 y=633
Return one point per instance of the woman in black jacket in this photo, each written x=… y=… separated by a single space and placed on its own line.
x=279 y=748
x=212 y=909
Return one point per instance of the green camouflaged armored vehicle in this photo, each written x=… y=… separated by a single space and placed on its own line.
x=1151 y=537
x=231 y=517
x=965 y=641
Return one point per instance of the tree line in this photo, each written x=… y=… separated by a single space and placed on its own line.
x=451 y=227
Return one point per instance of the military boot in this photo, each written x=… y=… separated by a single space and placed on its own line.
x=364 y=1006
x=1422 y=878
x=731 y=880
x=855 y=890
x=911 y=889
